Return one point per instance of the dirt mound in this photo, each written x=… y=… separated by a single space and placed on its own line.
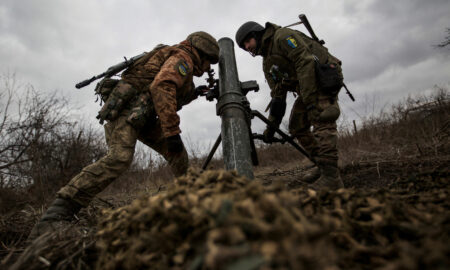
x=217 y=220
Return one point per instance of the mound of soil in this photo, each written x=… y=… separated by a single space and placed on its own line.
x=218 y=220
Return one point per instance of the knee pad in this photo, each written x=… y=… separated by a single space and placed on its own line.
x=330 y=113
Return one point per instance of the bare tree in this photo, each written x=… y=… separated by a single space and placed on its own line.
x=446 y=42
x=41 y=146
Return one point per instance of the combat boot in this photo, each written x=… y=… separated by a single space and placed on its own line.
x=329 y=178
x=310 y=175
x=59 y=212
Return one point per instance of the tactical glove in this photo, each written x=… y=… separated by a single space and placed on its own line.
x=277 y=109
x=270 y=132
x=201 y=90
x=268 y=135
x=175 y=144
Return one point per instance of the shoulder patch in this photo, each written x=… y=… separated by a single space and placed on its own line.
x=182 y=67
x=291 y=42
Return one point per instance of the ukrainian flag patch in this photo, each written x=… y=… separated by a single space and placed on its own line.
x=183 y=68
x=291 y=42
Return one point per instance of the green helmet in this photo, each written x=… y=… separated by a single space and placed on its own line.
x=245 y=30
x=206 y=43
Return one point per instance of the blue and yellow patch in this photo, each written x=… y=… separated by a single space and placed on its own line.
x=291 y=42
x=183 y=68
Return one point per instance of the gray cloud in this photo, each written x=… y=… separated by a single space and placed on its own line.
x=396 y=33
x=386 y=46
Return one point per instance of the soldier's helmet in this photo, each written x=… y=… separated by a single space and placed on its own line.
x=245 y=30
x=206 y=43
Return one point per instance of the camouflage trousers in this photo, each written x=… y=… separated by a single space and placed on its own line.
x=321 y=141
x=121 y=139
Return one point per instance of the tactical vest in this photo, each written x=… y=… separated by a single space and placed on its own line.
x=138 y=75
x=118 y=94
x=276 y=57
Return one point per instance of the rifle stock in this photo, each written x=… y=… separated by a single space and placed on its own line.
x=305 y=22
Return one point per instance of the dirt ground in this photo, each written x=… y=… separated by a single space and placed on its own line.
x=391 y=215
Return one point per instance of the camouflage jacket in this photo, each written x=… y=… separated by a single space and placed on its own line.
x=294 y=53
x=168 y=76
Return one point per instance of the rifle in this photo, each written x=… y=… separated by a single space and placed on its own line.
x=213 y=87
x=305 y=22
x=113 y=70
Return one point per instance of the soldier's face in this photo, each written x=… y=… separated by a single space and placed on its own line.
x=250 y=46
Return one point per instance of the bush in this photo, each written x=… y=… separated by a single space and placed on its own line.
x=41 y=149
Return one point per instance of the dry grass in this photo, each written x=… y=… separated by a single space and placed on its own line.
x=412 y=138
x=409 y=141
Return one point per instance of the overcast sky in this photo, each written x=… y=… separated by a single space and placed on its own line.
x=386 y=46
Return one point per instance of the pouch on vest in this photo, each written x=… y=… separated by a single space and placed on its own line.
x=142 y=112
x=119 y=97
x=104 y=88
x=329 y=78
x=328 y=108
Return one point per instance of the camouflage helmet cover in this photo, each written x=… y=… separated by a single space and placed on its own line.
x=246 y=29
x=205 y=43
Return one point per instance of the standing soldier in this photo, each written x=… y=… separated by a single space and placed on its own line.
x=141 y=106
x=294 y=62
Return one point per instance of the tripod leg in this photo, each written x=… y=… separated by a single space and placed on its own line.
x=255 y=160
x=283 y=135
x=212 y=152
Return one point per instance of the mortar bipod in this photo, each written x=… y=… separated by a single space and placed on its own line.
x=284 y=138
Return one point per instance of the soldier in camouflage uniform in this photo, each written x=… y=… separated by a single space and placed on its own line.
x=141 y=106
x=296 y=56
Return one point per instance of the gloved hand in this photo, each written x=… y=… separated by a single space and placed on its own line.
x=175 y=144
x=268 y=135
x=201 y=90
x=270 y=132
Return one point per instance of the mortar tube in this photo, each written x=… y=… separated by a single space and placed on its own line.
x=235 y=124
